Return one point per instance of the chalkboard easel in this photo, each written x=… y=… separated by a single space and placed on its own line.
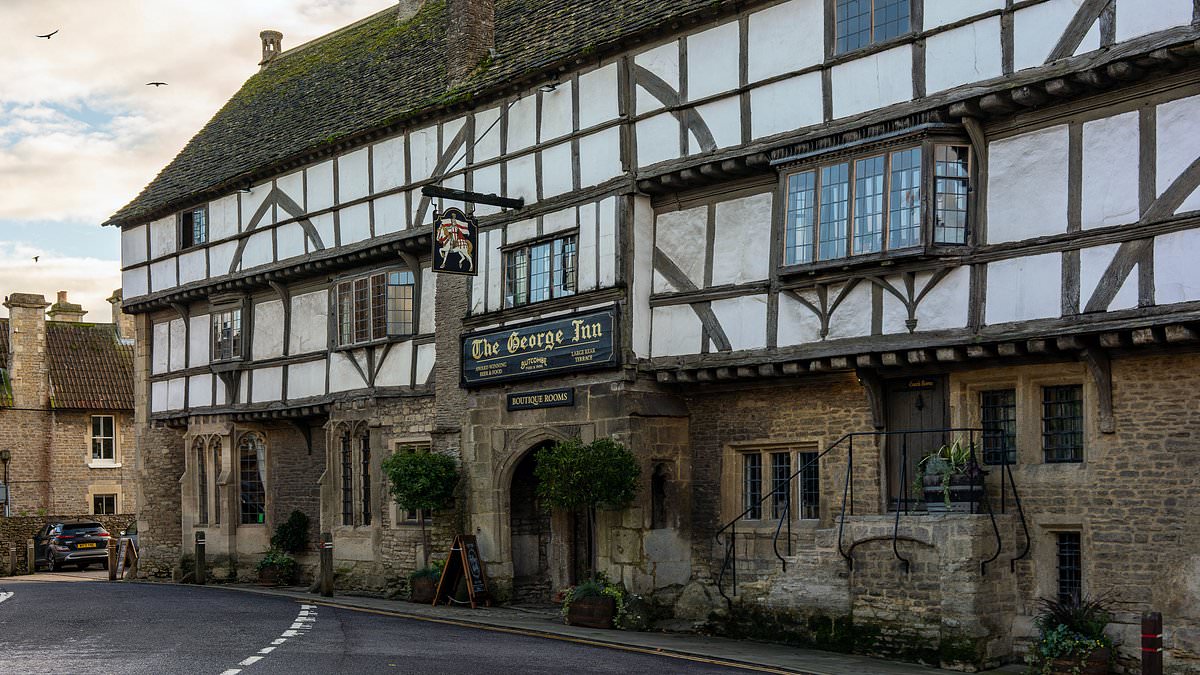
x=463 y=563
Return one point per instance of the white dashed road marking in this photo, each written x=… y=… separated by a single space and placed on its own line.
x=6 y=595
x=303 y=621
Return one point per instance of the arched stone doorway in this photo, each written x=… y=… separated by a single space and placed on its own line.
x=530 y=528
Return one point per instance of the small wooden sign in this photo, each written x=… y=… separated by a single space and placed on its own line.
x=122 y=555
x=455 y=242
x=546 y=398
x=464 y=562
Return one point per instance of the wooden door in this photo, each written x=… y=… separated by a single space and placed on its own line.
x=913 y=404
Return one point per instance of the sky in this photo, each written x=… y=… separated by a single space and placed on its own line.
x=81 y=133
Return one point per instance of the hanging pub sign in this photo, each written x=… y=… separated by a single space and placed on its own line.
x=455 y=242
x=569 y=343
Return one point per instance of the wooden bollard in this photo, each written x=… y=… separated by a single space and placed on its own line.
x=1152 y=643
x=12 y=560
x=30 y=557
x=327 y=564
x=112 y=559
x=201 y=565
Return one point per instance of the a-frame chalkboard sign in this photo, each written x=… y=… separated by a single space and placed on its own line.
x=463 y=562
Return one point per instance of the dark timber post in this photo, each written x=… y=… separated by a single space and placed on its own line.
x=112 y=559
x=327 y=564
x=30 y=558
x=1152 y=644
x=201 y=567
x=12 y=560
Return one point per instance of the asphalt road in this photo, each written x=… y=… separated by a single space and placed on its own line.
x=70 y=623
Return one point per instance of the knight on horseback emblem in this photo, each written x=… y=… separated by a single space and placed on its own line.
x=455 y=239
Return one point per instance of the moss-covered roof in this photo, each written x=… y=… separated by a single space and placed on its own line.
x=380 y=72
x=6 y=399
x=90 y=368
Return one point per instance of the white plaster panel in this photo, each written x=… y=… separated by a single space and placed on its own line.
x=1091 y=40
x=268 y=385
x=558 y=115
x=199 y=340
x=353 y=176
x=891 y=73
x=254 y=200
x=1134 y=17
x=797 y=324
x=259 y=250
x=220 y=257
x=396 y=370
x=785 y=105
x=494 y=271
x=1110 y=171
x=681 y=235
x=852 y=318
x=310 y=322
x=1027 y=185
x=354 y=223
x=320 y=187
x=558 y=221
x=134 y=247
x=1020 y=289
x=657 y=139
x=425 y=356
x=389 y=214
x=193 y=266
x=161 y=362
x=292 y=185
x=306 y=380
x=1092 y=264
x=176 y=390
x=739 y=222
x=942 y=12
x=662 y=61
x=343 y=376
x=598 y=96
x=1178 y=145
x=599 y=157
x=200 y=391
x=1176 y=276
x=486 y=180
x=675 y=330
x=969 y=53
x=428 y=322
x=643 y=273
x=162 y=275
x=895 y=314
x=162 y=237
x=449 y=131
x=267 y=335
x=522 y=124
x=387 y=164
x=606 y=275
x=946 y=304
x=1037 y=29
x=713 y=61
x=479 y=281
x=521 y=230
x=487 y=136
x=423 y=153
x=558 y=175
x=221 y=397
x=587 y=247
x=323 y=224
x=158 y=396
x=774 y=47
x=522 y=178
x=223 y=218
x=135 y=282
x=744 y=321
x=724 y=120
x=289 y=240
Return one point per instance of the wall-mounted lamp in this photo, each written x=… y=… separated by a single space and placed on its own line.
x=5 y=457
x=547 y=88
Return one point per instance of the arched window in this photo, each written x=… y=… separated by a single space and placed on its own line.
x=364 y=444
x=215 y=449
x=252 y=470
x=201 y=481
x=347 y=465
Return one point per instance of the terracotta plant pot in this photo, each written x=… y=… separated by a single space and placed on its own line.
x=423 y=589
x=1095 y=663
x=592 y=612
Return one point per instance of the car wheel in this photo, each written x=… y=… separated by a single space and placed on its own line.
x=55 y=565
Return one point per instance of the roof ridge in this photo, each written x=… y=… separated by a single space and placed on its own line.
x=348 y=27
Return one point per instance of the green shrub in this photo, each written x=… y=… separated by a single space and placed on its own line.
x=422 y=481
x=283 y=564
x=291 y=535
x=574 y=475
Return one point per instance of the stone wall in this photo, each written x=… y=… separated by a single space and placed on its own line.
x=17 y=530
x=27 y=434
x=73 y=481
x=160 y=465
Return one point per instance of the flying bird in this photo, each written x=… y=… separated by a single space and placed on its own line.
x=47 y=35
x=155 y=84
x=35 y=258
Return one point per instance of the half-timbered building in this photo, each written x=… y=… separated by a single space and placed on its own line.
x=781 y=250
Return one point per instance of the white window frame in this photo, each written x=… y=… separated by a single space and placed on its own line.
x=102 y=461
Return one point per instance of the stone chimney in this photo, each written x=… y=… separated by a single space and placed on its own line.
x=63 y=310
x=470 y=38
x=27 y=349
x=121 y=321
x=272 y=45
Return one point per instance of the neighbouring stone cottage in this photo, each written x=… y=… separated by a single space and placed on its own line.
x=779 y=249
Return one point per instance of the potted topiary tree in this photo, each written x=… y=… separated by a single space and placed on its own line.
x=583 y=477
x=278 y=567
x=422 y=482
x=1071 y=637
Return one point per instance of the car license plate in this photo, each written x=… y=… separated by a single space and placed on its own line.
x=92 y=545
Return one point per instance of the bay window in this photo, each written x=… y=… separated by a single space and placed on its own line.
x=375 y=307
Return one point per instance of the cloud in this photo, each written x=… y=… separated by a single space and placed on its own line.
x=81 y=134
x=89 y=281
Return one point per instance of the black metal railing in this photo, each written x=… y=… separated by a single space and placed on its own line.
x=727 y=536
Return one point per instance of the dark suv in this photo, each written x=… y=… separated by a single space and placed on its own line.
x=77 y=542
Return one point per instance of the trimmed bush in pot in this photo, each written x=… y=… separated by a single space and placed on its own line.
x=1072 y=638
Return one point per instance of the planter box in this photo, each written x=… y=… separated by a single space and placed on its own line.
x=422 y=590
x=592 y=612
x=963 y=494
x=1095 y=663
